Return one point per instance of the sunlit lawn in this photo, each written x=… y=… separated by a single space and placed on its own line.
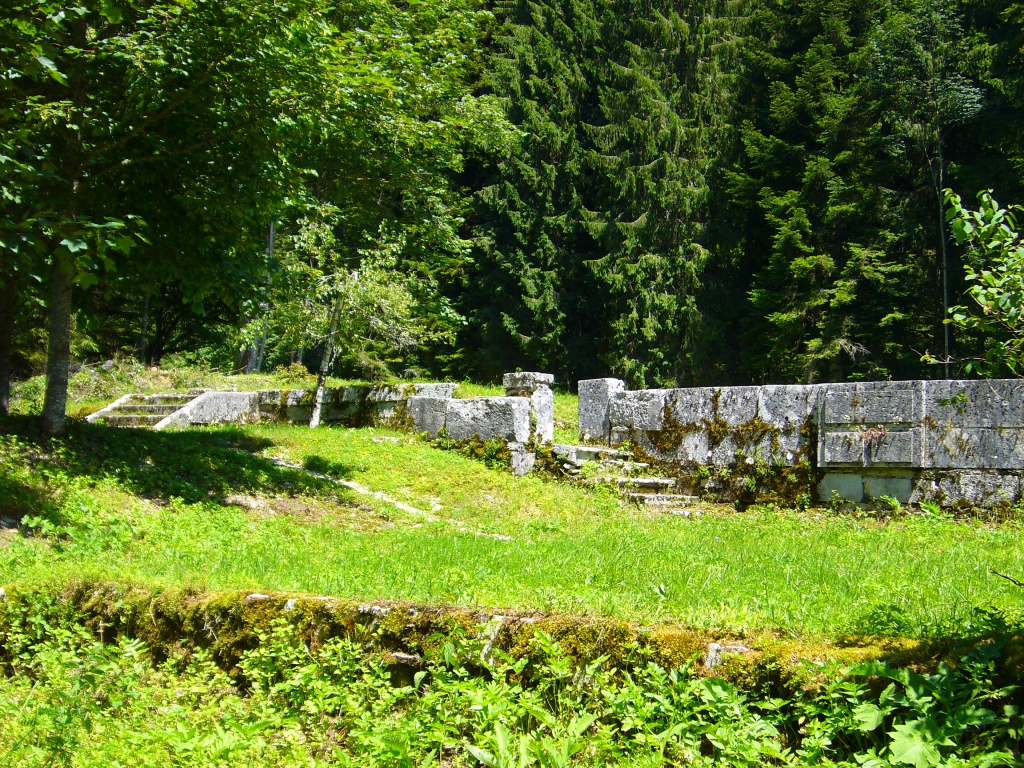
x=209 y=507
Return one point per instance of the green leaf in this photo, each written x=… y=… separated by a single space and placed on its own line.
x=51 y=69
x=916 y=743
x=482 y=755
x=74 y=246
x=868 y=716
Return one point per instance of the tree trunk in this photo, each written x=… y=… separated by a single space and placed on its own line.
x=263 y=342
x=7 y=299
x=251 y=354
x=265 y=306
x=59 y=353
x=325 y=366
x=58 y=357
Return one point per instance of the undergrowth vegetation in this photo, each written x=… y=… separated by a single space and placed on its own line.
x=69 y=699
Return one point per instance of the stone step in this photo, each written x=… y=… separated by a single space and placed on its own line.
x=580 y=454
x=145 y=409
x=168 y=399
x=132 y=420
x=637 y=482
x=646 y=482
x=624 y=465
x=674 y=500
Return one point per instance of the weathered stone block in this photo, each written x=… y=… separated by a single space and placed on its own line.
x=428 y=413
x=506 y=418
x=951 y=447
x=868 y=447
x=596 y=396
x=387 y=393
x=522 y=460
x=788 y=407
x=975 y=404
x=898 y=487
x=895 y=447
x=434 y=389
x=731 y=406
x=526 y=380
x=694 y=447
x=984 y=488
x=640 y=410
x=542 y=408
x=351 y=394
x=216 y=408
x=849 y=486
x=841 y=447
x=868 y=403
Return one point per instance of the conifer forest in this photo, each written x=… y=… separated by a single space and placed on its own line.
x=676 y=193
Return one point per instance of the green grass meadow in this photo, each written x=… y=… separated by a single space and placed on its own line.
x=210 y=507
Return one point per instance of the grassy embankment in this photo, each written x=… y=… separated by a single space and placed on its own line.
x=178 y=513
x=210 y=507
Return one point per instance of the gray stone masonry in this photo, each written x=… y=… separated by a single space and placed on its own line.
x=428 y=414
x=353 y=404
x=949 y=441
x=503 y=418
x=595 y=397
x=537 y=387
x=215 y=408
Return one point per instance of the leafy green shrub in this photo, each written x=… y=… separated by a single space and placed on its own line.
x=69 y=699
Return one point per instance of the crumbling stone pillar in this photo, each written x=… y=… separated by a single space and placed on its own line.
x=537 y=387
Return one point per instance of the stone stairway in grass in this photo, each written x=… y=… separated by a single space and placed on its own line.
x=144 y=411
x=596 y=465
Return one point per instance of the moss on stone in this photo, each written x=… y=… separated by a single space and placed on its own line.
x=230 y=623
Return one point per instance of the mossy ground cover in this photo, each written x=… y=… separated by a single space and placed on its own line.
x=106 y=674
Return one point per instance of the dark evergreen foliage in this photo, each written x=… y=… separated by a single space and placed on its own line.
x=715 y=192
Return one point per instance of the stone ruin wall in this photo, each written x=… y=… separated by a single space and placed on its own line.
x=523 y=418
x=954 y=442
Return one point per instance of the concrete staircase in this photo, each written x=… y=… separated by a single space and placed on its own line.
x=145 y=411
x=595 y=465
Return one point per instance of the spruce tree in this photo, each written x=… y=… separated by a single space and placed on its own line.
x=589 y=261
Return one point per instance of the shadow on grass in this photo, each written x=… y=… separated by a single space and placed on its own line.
x=18 y=499
x=192 y=465
x=327 y=467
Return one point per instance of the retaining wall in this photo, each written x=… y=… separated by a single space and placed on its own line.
x=356 y=406
x=949 y=441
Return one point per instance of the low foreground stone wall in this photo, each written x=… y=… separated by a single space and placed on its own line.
x=954 y=442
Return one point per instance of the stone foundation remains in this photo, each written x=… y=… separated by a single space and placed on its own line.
x=523 y=419
x=355 y=406
x=954 y=442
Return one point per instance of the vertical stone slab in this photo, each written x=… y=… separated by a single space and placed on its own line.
x=596 y=396
x=536 y=387
x=542 y=404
